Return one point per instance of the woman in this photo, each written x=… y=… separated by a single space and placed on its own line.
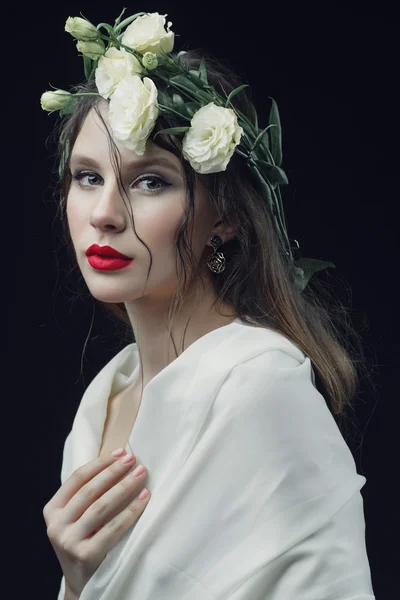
x=252 y=492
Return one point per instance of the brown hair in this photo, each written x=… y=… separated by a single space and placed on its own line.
x=257 y=281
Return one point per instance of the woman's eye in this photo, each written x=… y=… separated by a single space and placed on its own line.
x=153 y=183
x=85 y=179
x=158 y=181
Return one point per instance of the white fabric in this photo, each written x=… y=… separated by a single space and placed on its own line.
x=255 y=493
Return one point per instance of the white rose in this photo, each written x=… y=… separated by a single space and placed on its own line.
x=212 y=138
x=113 y=67
x=81 y=29
x=147 y=34
x=93 y=50
x=133 y=112
x=54 y=100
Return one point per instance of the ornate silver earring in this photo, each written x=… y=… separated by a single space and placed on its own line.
x=216 y=261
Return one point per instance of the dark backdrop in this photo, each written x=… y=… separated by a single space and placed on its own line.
x=333 y=70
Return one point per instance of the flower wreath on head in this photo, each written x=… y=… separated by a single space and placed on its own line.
x=138 y=53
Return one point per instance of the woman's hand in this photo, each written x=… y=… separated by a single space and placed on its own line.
x=90 y=512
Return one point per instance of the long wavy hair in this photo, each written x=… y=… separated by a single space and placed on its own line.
x=257 y=281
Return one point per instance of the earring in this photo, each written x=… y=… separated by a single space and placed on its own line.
x=216 y=261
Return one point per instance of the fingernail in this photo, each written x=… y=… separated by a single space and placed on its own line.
x=138 y=471
x=143 y=494
x=118 y=452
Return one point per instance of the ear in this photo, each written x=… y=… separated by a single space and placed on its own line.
x=226 y=233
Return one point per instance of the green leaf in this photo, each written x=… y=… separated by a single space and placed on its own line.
x=191 y=108
x=305 y=269
x=276 y=175
x=254 y=116
x=69 y=107
x=259 y=138
x=177 y=100
x=184 y=82
x=275 y=133
x=177 y=104
x=162 y=97
x=118 y=19
x=105 y=26
x=262 y=184
x=172 y=111
x=93 y=71
x=172 y=130
x=165 y=99
x=195 y=74
x=179 y=58
x=203 y=71
x=188 y=109
x=234 y=92
x=87 y=65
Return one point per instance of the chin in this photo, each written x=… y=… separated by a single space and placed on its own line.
x=114 y=297
x=107 y=294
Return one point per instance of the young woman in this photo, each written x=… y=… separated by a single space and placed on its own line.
x=231 y=395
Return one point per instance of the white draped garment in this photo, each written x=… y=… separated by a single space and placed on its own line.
x=254 y=492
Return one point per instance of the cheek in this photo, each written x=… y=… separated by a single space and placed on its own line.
x=75 y=216
x=159 y=229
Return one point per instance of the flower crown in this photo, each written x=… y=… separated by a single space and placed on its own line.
x=138 y=53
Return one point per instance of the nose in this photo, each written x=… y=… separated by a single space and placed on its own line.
x=109 y=211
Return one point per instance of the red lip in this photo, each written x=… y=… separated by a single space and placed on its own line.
x=106 y=251
x=107 y=264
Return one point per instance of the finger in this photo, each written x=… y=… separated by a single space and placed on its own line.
x=78 y=479
x=109 y=505
x=93 y=490
x=106 y=535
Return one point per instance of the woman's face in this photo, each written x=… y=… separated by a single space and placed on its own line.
x=97 y=214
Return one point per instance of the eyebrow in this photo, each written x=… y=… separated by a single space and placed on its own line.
x=140 y=163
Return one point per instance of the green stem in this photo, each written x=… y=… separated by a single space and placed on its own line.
x=103 y=36
x=179 y=87
x=128 y=49
x=281 y=228
x=249 y=137
x=245 y=142
x=112 y=38
x=280 y=206
x=175 y=112
x=86 y=94
x=269 y=155
x=242 y=154
x=282 y=220
x=252 y=134
x=102 y=25
x=249 y=124
x=279 y=199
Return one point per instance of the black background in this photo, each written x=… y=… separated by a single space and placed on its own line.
x=333 y=70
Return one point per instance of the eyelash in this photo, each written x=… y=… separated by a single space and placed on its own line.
x=79 y=175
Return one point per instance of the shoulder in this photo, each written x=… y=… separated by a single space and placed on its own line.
x=259 y=360
x=249 y=342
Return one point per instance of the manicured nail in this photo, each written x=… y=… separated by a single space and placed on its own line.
x=143 y=494
x=118 y=452
x=126 y=459
x=138 y=471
